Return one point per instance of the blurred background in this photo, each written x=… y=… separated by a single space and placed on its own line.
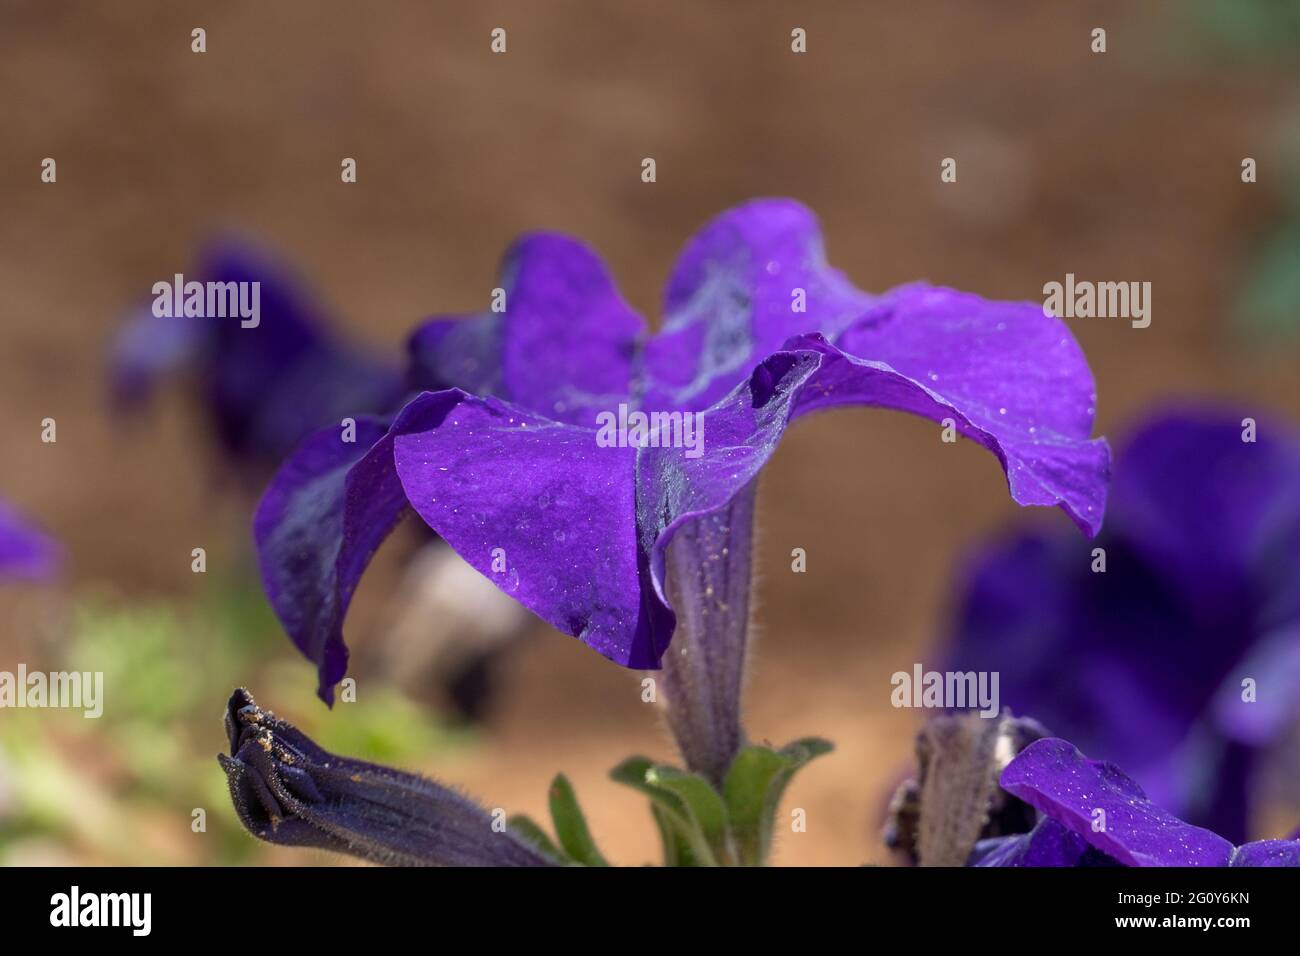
x=1122 y=166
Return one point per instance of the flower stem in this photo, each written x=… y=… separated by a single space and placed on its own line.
x=709 y=571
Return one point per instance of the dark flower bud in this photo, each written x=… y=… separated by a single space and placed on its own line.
x=287 y=790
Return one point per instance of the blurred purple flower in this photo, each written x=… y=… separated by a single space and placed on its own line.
x=758 y=330
x=26 y=553
x=1201 y=591
x=266 y=387
x=1093 y=814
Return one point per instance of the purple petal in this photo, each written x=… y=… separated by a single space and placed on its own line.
x=563 y=347
x=326 y=511
x=1013 y=380
x=1268 y=853
x=1048 y=844
x=1202 y=506
x=271 y=385
x=265 y=386
x=731 y=302
x=26 y=553
x=560 y=509
x=1052 y=776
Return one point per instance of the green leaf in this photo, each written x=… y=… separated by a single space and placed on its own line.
x=571 y=825
x=684 y=843
x=749 y=781
x=705 y=809
x=753 y=789
x=677 y=848
x=527 y=830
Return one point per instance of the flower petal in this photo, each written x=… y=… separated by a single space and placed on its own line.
x=537 y=507
x=268 y=385
x=563 y=346
x=1012 y=379
x=733 y=299
x=1208 y=510
x=325 y=512
x=1268 y=853
x=1047 y=844
x=1052 y=776
x=26 y=553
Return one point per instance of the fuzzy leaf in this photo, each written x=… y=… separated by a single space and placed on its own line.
x=753 y=789
x=704 y=806
x=571 y=825
x=684 y=841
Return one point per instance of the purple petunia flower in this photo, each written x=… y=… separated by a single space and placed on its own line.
x=264 y=387
x=26 y=553
x=504 y=460
x=1094 y=814
x=1148 y=661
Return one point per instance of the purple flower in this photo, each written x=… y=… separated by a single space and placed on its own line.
x=289 y=791
x=1182 y=659
x=504 y=460
x=26 y=553
x=1094 y=814
x=266 y=386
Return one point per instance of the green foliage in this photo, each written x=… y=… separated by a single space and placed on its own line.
x=571 y=825
x=702 y=826
x=121 y=789
x=576 y=846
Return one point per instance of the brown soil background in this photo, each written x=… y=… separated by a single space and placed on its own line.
x=1119 y=166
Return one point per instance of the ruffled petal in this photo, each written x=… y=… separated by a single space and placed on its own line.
x=562 y=347
x=1010 y=377
x=1052 y=776
x=750 y=279
x=325 y=512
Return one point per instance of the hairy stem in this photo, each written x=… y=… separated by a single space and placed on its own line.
x=709 y=571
